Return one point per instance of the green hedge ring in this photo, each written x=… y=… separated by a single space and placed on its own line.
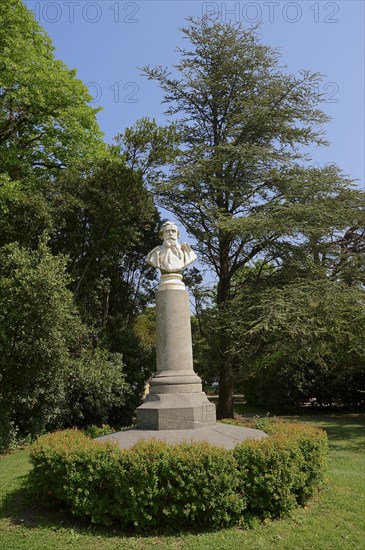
x=155 y=484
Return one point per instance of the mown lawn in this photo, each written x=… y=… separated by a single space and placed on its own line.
x=334 y=520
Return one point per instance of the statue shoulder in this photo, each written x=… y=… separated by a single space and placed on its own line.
x=155 y=250
x=152 y=257
x=189 y=254
x=185 y=247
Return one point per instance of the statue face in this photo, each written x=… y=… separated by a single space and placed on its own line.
x=170 y=234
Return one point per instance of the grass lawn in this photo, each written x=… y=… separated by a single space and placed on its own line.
x=334 y=520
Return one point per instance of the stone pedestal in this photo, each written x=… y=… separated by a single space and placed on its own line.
x=176 y=400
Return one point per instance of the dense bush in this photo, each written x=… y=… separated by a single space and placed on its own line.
x=303 y=341
x=155 y=484
x=97 y=431
x=151 y=485
x=38 y=325
x=284 y=469
x=284 y=384
x=95 y=388
x=51 y=373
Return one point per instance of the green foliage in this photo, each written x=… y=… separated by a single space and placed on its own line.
x=146 y=147
x=50 y=374
x=282 y=470
x=301 y=341
x=145 y=328
x=58 y=177
x=104 y=219
x=182 y=484
x=264 y=422
x=241 y=182
x=45 y=119
x=95 y=388
x=26 y=213
x=151 y=485
x=97 y=431
x=139 y=363
x=11 y=437
x=157 y=485
x=100 y=216
x=9 y=191
x=106 y=222
x=336 y=517
x=38 y=324
x=313 y=445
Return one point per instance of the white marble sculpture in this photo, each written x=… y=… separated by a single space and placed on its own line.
x=171 y=256
x=176 y=400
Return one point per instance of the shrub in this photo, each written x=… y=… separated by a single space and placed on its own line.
x=150 y=485
x=95 y=387
x=50 y=374
x=264 y=422
x=155 y=484
x=313 y=445
x=97 y=431
x=38 y=325
x=282 y=470
x=10 y=436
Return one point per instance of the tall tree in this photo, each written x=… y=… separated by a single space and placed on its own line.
x=105 y=221
x=45 y=119
x=300 y=341
x=103 y=215
x=46 y=124
x=58 y=176
x=242 y=184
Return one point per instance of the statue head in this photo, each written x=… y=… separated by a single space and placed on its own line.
x=171 y=256
x=169 y=233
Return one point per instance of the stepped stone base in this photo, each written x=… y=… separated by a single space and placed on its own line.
x=180 y=411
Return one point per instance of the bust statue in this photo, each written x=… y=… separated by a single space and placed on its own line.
x=170 y=256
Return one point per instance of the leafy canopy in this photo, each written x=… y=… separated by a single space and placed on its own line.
x=45 y=119
x=241 y=181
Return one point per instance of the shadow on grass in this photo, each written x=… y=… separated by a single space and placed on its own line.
x=22 y=508
x=346 y=431
x=344 y=436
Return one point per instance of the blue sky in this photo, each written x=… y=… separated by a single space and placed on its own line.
x=107 y=40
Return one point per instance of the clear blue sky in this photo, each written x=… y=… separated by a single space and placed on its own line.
x=106 y=40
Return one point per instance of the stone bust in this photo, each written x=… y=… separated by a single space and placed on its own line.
x=170 y=256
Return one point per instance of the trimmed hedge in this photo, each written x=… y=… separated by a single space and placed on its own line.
x=283 y=470
x=155 y=484
x=151 y=485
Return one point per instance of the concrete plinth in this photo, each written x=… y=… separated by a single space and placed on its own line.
x=176 y=400
x=220 y=435
x=185 y=411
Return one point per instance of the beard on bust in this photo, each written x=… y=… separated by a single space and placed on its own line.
x=173 y=246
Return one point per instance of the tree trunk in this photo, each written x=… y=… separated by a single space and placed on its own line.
x=225 y=399
x=105 y=307
x=82 y=276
